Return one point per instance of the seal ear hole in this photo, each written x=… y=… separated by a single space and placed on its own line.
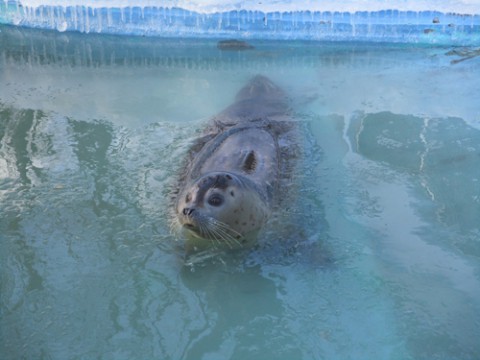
x=232 y=193
x=250 y=162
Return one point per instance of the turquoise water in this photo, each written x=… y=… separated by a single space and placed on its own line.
x=378 y=257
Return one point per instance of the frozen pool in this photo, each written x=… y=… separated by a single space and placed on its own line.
x=378 y=257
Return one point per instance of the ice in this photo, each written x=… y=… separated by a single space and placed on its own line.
x=205 y=6
x=454 y=22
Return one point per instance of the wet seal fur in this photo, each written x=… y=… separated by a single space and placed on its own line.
x=239 y=170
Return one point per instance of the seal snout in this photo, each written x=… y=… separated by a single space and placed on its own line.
x=188 y=211
x=189 y=220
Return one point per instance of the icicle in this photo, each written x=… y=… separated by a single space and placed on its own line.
x=109 y=17
x=352 y=24
x=73 y=11
x=100 y=20
x=81 y=23
x=87 y=20
x=220 y=21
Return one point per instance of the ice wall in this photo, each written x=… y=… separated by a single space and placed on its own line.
x=448 y=21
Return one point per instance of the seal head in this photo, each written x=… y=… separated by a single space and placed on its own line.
x=222 y=206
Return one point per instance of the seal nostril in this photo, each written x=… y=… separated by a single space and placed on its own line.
x=188 y=211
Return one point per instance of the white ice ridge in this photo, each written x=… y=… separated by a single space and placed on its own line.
x=471 y=7
x=412 y=21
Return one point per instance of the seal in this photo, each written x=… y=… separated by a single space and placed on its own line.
x=233 y=174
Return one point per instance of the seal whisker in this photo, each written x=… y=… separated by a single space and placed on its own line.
x=214 y=233
x=232 y=240
x=227 y=239
x=227 y=227
x=208 y=231
x=217 y=234
x=225 y=231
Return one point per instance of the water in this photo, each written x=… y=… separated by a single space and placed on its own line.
x=377 y=257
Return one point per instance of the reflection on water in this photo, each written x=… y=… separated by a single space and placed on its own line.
x=440 y=154
x=378 y=256
x=423 y=184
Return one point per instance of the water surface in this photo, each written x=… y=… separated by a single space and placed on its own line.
x=377 y=257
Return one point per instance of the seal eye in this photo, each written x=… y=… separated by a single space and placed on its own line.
x=215 y=200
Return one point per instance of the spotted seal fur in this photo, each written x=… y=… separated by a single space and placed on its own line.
x=237 y=172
